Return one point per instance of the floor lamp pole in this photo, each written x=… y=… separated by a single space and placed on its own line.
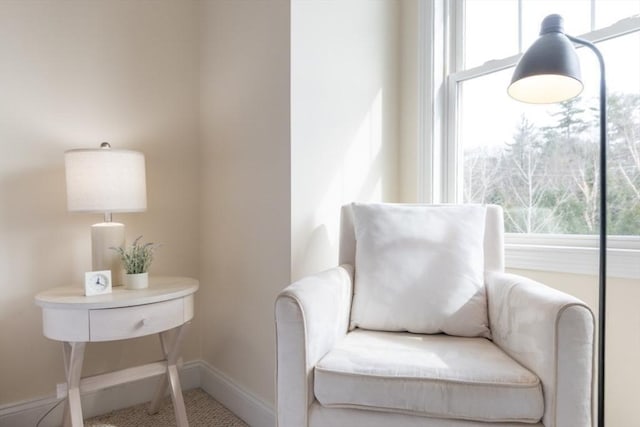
x=549 y=72
x=602 y=292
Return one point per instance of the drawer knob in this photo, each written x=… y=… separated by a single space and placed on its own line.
x=144 y=322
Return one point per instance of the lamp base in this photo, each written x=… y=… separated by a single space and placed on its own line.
x=106 y=235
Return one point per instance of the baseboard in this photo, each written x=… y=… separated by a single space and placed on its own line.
x=198 y=373
x=253 y=410
x=27 y=413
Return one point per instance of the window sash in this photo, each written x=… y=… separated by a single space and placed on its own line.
x=440 y=24
x=620 y=28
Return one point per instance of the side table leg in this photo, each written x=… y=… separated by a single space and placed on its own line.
x=176 y=397
x=154 y=406
x=171 y=353
x=66 y=353
x=73 y=359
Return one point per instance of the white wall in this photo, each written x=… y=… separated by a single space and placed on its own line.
x=344 y=109
x=73 y=74
x=245 y=182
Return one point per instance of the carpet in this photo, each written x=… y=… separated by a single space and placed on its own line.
x=202 y=411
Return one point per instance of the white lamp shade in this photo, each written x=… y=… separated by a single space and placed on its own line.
x=105 y=180
x=545 y=88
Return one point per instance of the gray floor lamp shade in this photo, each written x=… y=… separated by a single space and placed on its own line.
x=549 y=72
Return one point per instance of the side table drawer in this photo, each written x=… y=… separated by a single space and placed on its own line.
x=136 y=321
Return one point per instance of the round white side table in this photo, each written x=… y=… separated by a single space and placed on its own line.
x=75 y=319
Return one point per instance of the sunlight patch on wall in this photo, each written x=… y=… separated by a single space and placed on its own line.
x=360 y=176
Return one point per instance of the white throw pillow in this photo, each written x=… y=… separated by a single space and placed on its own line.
x=420 y=269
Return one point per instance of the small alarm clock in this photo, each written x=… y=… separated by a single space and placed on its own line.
x=97 y=282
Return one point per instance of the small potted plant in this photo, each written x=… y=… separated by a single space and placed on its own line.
x=136 y=260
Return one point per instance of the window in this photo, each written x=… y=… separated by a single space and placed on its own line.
x=540 y=161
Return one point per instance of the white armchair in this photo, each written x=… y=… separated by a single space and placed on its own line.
x=535 y=370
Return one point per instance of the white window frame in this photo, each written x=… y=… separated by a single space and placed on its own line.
x=440 y=169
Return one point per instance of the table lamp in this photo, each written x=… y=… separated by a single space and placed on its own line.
x=105 y=180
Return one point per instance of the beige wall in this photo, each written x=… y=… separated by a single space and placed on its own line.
x=344 y=62
x=245 y=181
x=73 y=74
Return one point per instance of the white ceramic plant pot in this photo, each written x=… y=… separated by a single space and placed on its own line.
x=136 y=281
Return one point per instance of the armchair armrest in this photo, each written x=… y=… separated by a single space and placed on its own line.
x=552 y=334
x=311 y=315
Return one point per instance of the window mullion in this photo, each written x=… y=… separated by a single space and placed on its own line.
x=451 y=170
x=520 y=47
x=451 y=158
x=432 y=67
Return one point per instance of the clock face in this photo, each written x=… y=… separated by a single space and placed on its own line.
x=100 y=280
x=97 y=282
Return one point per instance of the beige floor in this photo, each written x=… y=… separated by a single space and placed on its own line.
x=202 y=411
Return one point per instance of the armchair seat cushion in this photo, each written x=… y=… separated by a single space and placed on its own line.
x=430 y=375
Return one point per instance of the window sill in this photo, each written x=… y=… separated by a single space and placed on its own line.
x=573 y=254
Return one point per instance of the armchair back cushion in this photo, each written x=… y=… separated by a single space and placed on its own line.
x=420 y=269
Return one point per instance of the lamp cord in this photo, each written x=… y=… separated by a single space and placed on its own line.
x=49 y=411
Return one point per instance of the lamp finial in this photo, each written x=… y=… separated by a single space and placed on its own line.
x=552 y=24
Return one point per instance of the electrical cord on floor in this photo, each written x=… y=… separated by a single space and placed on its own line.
x=49 y=411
